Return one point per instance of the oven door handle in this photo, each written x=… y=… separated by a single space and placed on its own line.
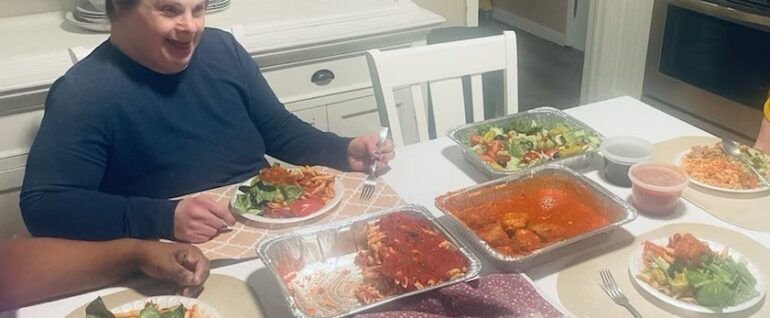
x=720 y=11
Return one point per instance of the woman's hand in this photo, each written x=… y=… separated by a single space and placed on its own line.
x=180 y=263
x=363 y=151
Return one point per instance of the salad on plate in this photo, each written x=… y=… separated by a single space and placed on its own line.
x=278 y=192
x=155 y=307
x=698 y=272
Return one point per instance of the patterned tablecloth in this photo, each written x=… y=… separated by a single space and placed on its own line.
x=241 y=240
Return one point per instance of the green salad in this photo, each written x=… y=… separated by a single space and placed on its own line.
x=758 y=159
x=525 y=143
x=688 y=270
x=96 y=309
x=254 y=198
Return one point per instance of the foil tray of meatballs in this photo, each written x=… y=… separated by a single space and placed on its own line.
x=519 y=220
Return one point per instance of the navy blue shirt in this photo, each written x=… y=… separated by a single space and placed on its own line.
x=118 y=139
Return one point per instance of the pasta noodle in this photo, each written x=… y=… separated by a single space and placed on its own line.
x=406 y=253
x=708 y=164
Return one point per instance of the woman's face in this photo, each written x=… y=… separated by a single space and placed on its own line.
x=160 y=34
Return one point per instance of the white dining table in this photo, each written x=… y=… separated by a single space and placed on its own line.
x=421 y=172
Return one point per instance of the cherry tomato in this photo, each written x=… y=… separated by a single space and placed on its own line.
x=530 y=156
x=303 y=207
x=475 y=140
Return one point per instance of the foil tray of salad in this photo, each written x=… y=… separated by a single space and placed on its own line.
x=502 y=146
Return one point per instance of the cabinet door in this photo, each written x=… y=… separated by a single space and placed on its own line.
x=17 y=131
x=360 y=115
x=314 y=116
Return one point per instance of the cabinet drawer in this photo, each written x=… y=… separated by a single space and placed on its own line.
x=360 y=115
x=298 y=82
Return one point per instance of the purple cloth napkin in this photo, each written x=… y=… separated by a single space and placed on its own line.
x=497 y=295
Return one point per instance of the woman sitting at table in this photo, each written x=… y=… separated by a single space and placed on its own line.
x=35 y=269
x=164 y=107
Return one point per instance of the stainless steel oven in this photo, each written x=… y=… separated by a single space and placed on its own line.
x=711 y=60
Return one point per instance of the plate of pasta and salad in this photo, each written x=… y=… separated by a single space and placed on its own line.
x=278 y=195
x=709 y=167
x=697 y=275
x=157 y=306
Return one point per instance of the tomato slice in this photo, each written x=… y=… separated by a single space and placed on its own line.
x=303 y=207
x=530 y=156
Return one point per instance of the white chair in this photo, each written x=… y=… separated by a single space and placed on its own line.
x=442 y=66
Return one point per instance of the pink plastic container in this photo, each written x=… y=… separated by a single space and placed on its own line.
x=656 y=187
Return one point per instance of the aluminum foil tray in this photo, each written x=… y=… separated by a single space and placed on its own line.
x=545 y=116
x=316 y=269
x=594 y=196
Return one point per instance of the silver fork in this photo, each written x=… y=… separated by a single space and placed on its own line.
x=370 y=183
x=612 y=289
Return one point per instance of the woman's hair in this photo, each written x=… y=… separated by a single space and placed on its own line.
x=123 y=4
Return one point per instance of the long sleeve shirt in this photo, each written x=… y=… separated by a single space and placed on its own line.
x=118 y=139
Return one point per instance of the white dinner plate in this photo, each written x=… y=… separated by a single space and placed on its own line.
x=680 y=158
x=96 y=27
x=635 y=267
x=169 y=301
x=339 y=191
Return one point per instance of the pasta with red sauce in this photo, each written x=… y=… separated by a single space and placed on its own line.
x=406 y=253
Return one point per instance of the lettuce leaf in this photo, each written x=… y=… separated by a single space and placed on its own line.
x=97 y=309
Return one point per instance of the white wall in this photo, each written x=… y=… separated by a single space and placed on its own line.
x=616 y=49
x=456 y=12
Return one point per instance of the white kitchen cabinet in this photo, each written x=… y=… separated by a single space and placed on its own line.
x=456 y=12
x=360 y=115
x=315 y=116
x=291 y=40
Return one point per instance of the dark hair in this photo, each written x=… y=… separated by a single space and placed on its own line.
x=123 y=4
x=109 y=6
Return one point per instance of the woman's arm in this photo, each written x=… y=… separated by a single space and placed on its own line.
x=35 y=269
x=763 y=138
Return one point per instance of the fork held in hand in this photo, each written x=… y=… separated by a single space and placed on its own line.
x=371 y=180
x=612 y=289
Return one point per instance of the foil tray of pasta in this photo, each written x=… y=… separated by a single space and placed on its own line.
x=354 y=265
x=502 y=146
x=519 y=221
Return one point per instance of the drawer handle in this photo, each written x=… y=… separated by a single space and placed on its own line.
x=322 y=77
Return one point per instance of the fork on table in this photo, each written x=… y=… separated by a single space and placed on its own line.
x=370 y=183
x=612 y=289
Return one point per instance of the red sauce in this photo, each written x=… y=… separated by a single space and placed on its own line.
x=417 y=255
x=277 y=175
x=413 y=254
x=538 y=211
x=656 y=188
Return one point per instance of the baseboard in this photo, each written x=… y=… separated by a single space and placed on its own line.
x=529 y=26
